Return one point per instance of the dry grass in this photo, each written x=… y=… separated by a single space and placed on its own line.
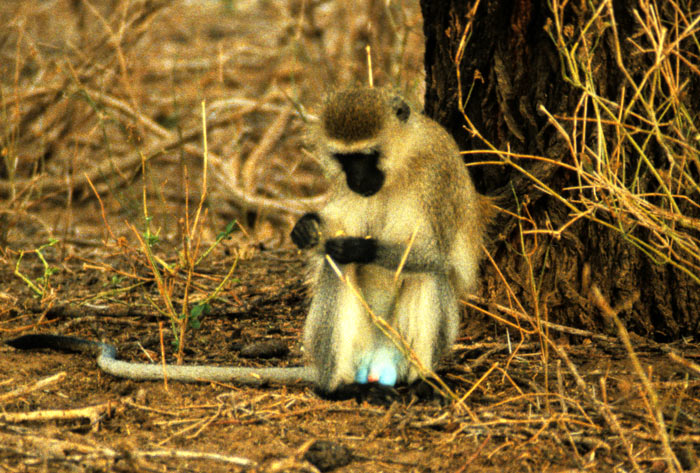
x=182 y=129
x=91 y=91
x=103 y=141
x=652 y=112
x=612 y=144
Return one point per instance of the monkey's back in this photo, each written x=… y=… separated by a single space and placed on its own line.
x=452 y=204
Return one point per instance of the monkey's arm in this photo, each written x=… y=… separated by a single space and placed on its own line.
x=107 y=361
x=346 y=250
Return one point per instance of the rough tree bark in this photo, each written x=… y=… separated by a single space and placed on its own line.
x=510 y=73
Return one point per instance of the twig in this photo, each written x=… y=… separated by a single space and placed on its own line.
x=603 y=305
x=162 y=355
x=190 y=455
x=93 y=413
x=41 y=384
x=270 y=138
x=521 y=315
x=50 y=448
x=169 y=140
x=687 y=363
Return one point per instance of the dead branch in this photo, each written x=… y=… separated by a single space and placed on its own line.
x=47 y=448
x=265 y=146
x=41 y=384
x=92 y=413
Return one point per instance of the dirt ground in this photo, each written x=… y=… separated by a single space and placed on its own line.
x=518 y=417
x=516 y=394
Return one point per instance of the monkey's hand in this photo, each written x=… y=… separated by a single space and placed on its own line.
x=346 y=250
x=305 y=233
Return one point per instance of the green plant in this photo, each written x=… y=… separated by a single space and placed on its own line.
x=190 y=313
x=41 y=285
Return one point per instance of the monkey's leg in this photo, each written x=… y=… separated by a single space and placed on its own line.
x=427 y=317
x=337 y=328
x=383 y=362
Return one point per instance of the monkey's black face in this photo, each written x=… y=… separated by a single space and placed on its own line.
x=361 y=172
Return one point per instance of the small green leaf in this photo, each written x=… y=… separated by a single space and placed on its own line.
x=227 y=231
x=197 y=311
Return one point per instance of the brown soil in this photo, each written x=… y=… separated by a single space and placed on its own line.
x=534 y=398
x=520 y=418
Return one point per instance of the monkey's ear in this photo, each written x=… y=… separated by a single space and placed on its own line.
x=401 y=109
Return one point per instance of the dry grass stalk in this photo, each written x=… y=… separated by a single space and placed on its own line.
x=86 y=120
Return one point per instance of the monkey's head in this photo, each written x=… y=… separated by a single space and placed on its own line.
x=360 y=130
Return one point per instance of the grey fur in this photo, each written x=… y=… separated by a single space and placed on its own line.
x=108 y=362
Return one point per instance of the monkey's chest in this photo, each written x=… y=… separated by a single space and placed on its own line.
x=382 y=217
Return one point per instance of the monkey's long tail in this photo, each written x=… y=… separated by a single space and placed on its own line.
x=108 y=362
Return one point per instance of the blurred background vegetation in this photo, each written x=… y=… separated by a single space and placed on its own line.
x=103 y=98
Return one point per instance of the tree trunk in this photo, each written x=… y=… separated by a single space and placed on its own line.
x=588 y=128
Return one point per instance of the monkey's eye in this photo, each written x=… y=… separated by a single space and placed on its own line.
x=401 y=109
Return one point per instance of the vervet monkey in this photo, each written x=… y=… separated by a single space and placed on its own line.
x=400 y=196
x=403 y=225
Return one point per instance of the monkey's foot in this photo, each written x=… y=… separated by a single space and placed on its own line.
x=379 y=366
